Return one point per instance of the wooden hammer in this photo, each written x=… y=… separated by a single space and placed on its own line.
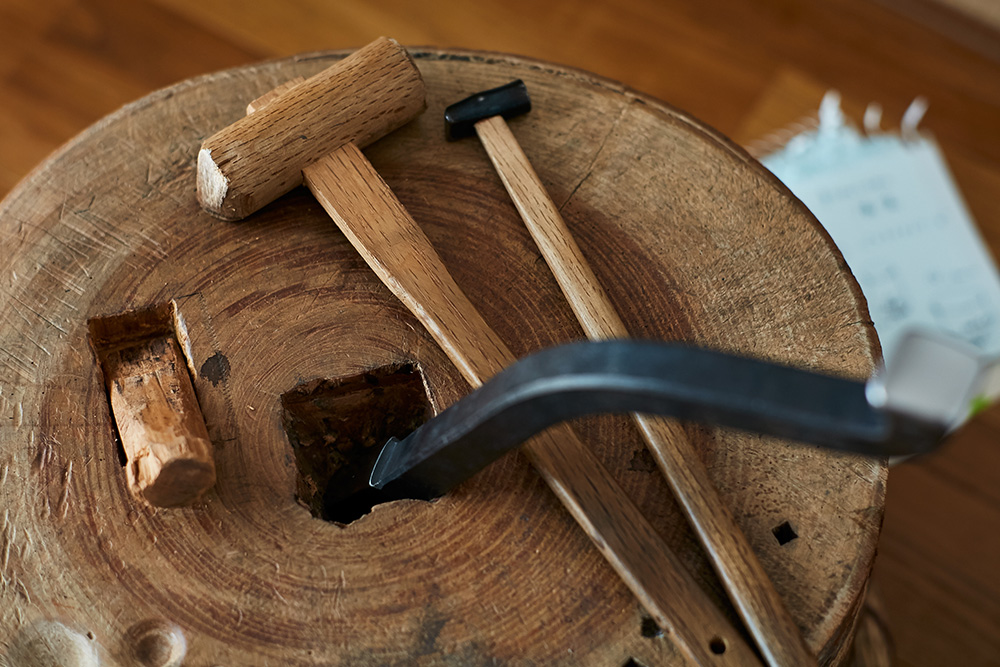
x=355 y=102
x=312 y=132
x=761 y=608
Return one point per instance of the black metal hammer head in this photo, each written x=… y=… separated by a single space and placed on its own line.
x=508 y=101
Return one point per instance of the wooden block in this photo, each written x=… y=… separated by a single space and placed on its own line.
x=163 y=433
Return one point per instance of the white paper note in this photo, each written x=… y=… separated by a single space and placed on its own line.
x=892 y=208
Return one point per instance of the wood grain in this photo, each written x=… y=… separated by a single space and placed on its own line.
x=64 y=64
x=378 y=226
x=497 y=569
x=745 y=581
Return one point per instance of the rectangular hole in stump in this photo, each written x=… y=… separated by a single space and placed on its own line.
x=337 y=428
x=784 y=533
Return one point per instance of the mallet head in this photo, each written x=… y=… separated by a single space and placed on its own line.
x=260 y=157
x=508 y=101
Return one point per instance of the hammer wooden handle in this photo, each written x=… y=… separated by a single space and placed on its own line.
x=749 y=588
x=397 y=250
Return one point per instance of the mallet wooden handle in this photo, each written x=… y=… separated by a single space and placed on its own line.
x=397 y=250
x=749 y=588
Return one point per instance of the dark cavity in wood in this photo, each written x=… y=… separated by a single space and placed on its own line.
x=784 y=533
x=337 y=426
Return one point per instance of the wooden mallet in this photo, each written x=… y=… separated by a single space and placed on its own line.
x=748 y=586
x=311 y=132
x=351 y=104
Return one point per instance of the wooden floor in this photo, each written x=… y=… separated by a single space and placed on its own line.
x=746 y=67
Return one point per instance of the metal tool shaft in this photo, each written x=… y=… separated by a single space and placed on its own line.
x=581 y=379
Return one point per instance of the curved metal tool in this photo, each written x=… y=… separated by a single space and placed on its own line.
x=581 y=379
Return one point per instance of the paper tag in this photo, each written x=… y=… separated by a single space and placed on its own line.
x=889 y=202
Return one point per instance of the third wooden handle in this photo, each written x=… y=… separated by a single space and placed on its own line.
x=759 y=605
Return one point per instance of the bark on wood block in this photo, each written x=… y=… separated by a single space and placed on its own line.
x=167 y=449
x=692 y=240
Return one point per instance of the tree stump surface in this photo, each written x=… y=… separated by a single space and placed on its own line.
x=693 y=240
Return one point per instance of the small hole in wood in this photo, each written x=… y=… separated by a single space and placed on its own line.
x=119 y=447
x=717 y=645
x=784 y=533
x=649 y=628
x=632 y=662
x=337 y=429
